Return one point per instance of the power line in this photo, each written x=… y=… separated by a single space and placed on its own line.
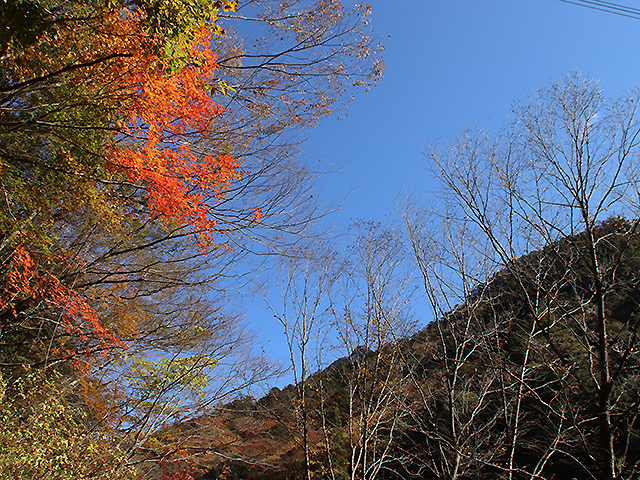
x=608 y=7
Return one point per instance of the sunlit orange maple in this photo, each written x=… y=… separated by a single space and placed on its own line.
x=167 y=116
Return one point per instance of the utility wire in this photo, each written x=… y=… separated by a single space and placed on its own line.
x=615 y=8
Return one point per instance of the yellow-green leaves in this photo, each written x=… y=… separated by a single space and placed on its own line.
x=167 y=374
x=44 y=437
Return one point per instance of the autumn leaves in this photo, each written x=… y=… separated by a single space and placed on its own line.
x=143 y=155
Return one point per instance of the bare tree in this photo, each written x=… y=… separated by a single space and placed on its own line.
x=304 y=287
x=376 y=314
x=458 y=375
x=544 y=199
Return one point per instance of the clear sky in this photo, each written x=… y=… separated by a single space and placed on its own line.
x=450 y=64
x=454 y=63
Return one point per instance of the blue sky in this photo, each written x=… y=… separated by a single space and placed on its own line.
x=454 y=63
x=450 y=64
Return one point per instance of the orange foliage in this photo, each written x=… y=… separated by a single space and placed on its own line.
x=166 y=115
x=162 y=113
x=26 y=281
x=176 y=469
x=102 y=402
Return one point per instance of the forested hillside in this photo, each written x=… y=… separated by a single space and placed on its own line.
x=490 y=390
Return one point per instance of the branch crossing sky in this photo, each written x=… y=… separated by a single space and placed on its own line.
x=452 y=64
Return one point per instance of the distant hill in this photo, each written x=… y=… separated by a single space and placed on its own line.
x=508 y=382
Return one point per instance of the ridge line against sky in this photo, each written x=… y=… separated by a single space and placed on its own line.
x=450 y=65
